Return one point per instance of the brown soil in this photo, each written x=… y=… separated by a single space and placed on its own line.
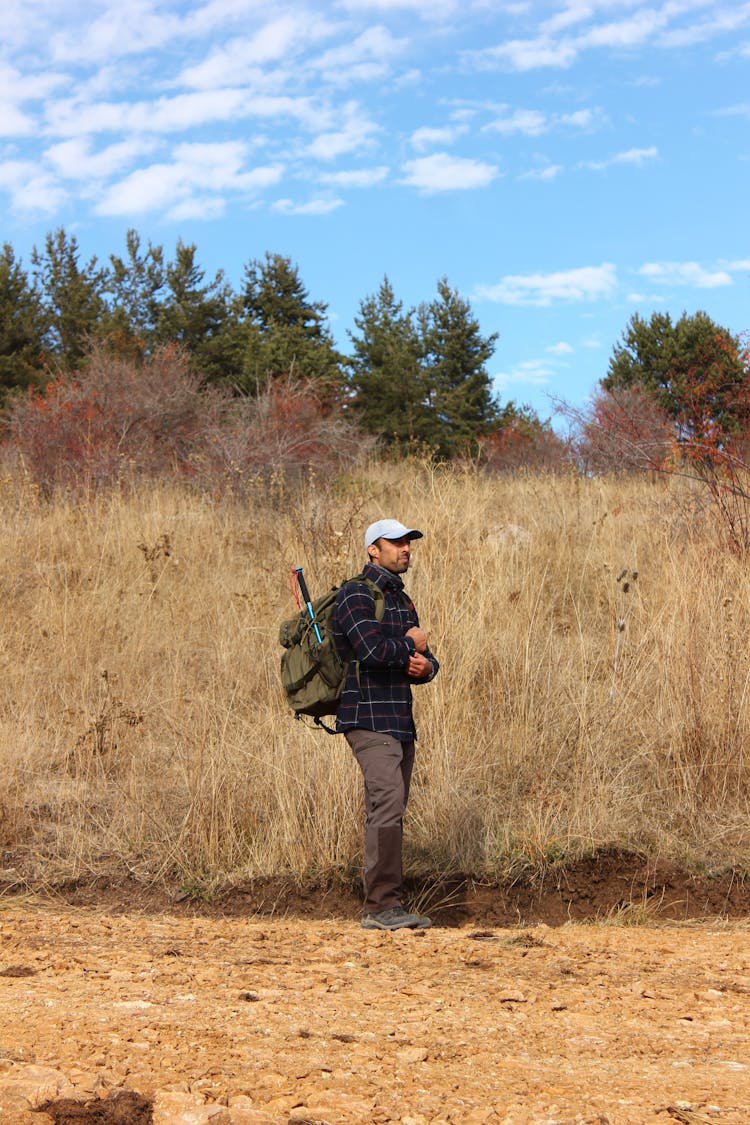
x=119 y=1006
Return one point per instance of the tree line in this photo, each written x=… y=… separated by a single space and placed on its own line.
x=415 y=378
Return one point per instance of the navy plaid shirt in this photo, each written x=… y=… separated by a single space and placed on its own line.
x=377 y=692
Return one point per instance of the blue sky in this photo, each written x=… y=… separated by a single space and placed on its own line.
x=563 y=163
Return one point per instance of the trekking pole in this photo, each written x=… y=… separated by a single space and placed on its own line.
x=303 y=590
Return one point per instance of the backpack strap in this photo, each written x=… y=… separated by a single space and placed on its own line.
x=377 y=596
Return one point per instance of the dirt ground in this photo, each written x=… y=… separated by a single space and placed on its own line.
x=544 y=1005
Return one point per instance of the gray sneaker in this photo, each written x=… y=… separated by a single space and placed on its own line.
x=395 y=918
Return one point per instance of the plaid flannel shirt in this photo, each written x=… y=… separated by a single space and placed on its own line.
x=377 y=693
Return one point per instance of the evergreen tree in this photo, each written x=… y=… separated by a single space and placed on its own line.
x=72 y=298
x=281 y=331
x=134 y=286
x=693 y=369
x=459 y=389
x=386 y=378
x=194 y=314
x=22 y=353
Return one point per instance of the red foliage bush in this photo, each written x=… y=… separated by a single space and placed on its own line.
x=113 y=419
x=622 y=431
x=285 y=428
x=524 y=445
x=118 y=419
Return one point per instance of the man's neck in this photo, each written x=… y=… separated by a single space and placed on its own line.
x=388 y=573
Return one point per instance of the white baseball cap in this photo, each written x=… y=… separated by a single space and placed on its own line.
x=389 y=529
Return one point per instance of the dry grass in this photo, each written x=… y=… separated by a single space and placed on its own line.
x=143 y=725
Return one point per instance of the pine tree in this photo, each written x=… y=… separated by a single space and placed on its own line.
x=693 y=369
x=281 y=331
x=22 y=353
x=459 y=388
x=134 y=286
x=195 y=314
x=386 y=379
x=72 y=298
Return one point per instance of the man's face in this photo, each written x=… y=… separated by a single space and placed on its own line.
x=392 y=554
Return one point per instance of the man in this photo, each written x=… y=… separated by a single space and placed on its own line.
x=375 y=712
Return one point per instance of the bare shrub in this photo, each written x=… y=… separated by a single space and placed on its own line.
x=114 y=418
x=284 y=428
x=121 y=420
x=623 y=430
x=524 y=444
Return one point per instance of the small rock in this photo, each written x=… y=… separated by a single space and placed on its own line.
x=34 y=1084
x=508 y=534
x=412 y=1054
x=173 y=1108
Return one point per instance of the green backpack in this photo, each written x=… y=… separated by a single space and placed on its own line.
x=312 y=672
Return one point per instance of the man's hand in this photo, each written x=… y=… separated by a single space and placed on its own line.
x=419 y=637
x=418 y=666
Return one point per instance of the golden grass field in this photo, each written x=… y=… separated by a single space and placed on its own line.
x=593 y=637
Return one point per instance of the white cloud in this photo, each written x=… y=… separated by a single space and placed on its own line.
x=20 y=23
x=13 y=122
x=630 y=32
x=741 y=109
x=426 y=137
x=525 y=54
x=527 y=121
x=546 y=174
x=121 y=29
x=72 y=117
x=584 y=118
x=73 y=159
x=235 y=62
x=199 y=171
x=527 y=373
x=560 y=349
x=365 y=58
x=356 y=178
x=355 y=133
x=18 y=90
x=578 y=27
x=31 y=190
x=571 y=14
x=532 y=122
x=427 y=9
x=589 y=283
x=205 y=207
x=634 y=156
x=312 y=207
x=442 y=172
x=728 y=18
x=685 y=274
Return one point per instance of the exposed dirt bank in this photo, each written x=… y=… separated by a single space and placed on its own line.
x=603 y=887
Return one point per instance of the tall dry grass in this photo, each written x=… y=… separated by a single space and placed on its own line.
x=593 y=691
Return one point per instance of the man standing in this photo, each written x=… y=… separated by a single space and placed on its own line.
x=375 y=712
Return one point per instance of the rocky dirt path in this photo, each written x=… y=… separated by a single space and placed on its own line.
x=139 y=1018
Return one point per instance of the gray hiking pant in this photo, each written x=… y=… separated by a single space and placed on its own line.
x=386 y=766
